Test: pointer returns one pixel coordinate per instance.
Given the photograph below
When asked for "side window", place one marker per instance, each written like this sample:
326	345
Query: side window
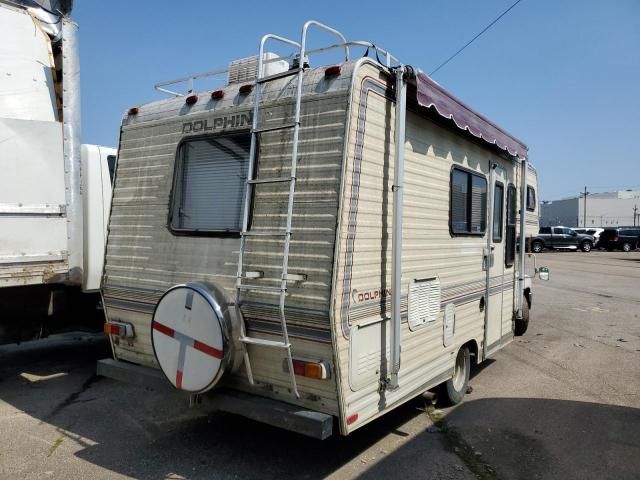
531	198
468	215
208	190
498	214
111	163
546	230
510	243
571	233
558	231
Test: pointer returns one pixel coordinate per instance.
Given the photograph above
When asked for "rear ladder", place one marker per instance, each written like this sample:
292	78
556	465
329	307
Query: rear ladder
261	80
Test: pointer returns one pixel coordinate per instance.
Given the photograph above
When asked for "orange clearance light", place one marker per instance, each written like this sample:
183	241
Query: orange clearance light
314	370
133	111
352	418
246	89
217	94
191	99
332	71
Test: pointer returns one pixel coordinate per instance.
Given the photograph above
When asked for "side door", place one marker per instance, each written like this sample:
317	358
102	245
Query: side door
571	237
558	238
496	265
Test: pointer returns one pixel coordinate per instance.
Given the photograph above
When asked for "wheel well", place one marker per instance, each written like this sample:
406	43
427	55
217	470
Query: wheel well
473	350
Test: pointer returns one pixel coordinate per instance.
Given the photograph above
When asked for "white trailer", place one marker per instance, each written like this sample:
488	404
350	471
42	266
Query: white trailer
54	193
313	246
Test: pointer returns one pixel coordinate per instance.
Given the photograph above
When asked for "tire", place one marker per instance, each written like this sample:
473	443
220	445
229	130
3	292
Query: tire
452	391
626	247
537	246
586	246
522	324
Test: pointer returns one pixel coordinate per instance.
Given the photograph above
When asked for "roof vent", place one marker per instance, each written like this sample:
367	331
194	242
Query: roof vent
244	69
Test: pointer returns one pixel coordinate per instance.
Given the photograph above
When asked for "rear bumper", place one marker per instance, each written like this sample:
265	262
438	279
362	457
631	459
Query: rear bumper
278	414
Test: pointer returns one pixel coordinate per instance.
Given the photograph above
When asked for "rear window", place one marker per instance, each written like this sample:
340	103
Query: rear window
545	230
610	232
209	184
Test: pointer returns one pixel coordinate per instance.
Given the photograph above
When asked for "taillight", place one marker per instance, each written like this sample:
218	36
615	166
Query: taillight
118	329
615	239
304	368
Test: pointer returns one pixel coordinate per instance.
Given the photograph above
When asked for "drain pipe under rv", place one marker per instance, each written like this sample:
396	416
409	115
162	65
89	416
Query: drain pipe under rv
524	163
401	73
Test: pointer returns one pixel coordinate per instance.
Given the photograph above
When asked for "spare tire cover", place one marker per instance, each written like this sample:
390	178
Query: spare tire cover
188	338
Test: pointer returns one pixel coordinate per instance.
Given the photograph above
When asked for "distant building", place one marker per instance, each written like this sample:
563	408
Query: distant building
608	209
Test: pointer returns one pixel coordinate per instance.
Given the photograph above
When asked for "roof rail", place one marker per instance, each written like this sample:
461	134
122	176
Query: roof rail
388	59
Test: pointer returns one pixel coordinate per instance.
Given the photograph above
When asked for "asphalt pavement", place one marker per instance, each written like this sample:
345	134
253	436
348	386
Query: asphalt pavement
561	402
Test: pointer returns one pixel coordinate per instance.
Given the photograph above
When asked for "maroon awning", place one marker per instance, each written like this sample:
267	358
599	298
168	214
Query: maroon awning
430	94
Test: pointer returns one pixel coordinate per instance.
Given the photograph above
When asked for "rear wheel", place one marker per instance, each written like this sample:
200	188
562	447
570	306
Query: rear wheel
626	247
522	324
586	246
452	391
537	246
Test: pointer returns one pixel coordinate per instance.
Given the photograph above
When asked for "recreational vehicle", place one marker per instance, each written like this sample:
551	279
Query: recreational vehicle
313	245
52	216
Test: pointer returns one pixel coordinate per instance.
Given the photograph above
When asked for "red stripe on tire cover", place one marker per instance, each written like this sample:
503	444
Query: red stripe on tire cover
204	348
168	331
178	379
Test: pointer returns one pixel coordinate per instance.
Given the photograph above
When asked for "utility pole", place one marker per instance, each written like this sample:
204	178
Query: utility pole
584	213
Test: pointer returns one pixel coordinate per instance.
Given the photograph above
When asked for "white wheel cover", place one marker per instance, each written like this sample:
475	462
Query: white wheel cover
187	339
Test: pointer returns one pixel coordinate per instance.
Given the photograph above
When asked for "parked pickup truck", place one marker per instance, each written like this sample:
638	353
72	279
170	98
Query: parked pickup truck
561	237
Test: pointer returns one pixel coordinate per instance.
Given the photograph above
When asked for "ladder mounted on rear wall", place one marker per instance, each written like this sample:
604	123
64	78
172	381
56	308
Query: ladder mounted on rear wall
250	184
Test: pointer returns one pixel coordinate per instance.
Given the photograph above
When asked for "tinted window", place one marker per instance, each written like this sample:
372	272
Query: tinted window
558	231
498	207
209	184
545	230
531	198
468	203
510	240
111	162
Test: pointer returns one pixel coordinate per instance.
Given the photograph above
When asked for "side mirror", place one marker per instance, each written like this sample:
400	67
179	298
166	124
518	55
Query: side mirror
543	273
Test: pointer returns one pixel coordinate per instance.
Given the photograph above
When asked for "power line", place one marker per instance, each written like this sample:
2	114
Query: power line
474	38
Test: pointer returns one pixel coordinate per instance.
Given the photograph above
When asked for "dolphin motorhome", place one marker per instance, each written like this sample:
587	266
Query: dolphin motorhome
312	246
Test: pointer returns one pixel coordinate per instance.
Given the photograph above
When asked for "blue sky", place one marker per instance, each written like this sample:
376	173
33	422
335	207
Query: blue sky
564	77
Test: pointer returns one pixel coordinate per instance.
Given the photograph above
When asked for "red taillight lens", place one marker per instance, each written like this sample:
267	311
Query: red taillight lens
217	95
133	111
298	367
246	89
332	71
191	99
615	239
352	418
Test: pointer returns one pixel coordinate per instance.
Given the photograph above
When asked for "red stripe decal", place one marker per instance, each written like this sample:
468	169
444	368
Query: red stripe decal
204	348
178	379
168	331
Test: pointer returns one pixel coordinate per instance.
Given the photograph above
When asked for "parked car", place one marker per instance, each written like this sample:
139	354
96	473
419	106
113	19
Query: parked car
594	232
620	238
561	237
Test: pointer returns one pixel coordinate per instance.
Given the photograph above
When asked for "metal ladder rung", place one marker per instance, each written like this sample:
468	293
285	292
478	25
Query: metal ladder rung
265	343
260	288
275	76
274	129
264	234
256	181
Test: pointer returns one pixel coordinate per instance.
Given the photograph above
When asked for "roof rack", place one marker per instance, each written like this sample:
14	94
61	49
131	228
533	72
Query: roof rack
388	60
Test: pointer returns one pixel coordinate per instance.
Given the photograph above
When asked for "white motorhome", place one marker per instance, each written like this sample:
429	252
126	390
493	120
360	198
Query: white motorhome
54	192
312	246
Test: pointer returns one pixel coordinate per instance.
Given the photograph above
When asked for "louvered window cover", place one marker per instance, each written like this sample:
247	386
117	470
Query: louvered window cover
210	183
424	302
